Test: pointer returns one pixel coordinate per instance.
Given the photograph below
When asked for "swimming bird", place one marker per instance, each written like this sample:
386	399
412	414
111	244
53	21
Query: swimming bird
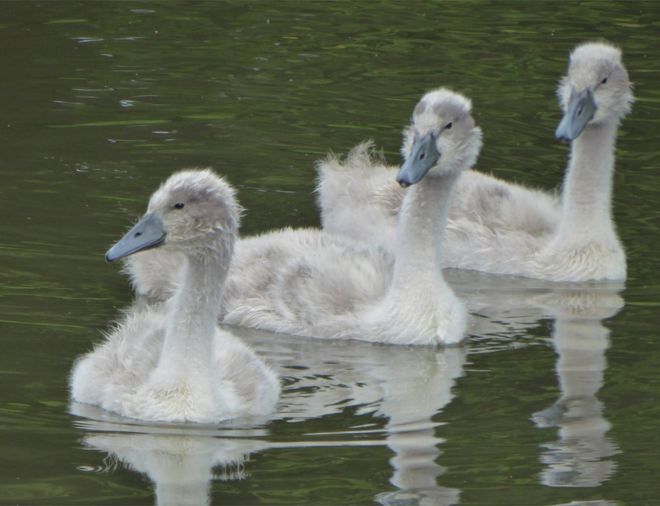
501	227
312	283
171	362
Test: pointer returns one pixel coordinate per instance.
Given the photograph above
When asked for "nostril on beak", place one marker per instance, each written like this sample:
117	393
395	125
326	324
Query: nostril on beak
138	234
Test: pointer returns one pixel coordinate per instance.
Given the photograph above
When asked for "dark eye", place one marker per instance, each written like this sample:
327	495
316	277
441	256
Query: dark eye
448	125
604	81
179	205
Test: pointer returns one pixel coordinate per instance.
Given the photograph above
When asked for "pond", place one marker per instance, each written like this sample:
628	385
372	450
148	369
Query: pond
554	398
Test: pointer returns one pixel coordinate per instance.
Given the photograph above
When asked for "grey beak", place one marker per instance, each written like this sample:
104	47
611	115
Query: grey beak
424	155
581	109
147	233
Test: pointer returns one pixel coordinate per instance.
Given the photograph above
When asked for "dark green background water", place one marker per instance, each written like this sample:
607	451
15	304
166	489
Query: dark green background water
556	396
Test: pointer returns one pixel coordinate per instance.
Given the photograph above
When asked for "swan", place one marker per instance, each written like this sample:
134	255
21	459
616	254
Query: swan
504	228
171	362
311	283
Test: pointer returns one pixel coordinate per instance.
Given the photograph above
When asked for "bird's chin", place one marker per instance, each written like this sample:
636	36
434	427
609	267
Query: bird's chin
445	170
601	118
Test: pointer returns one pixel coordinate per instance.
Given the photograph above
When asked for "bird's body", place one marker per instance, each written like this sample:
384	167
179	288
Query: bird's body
118	376
310	283
359	198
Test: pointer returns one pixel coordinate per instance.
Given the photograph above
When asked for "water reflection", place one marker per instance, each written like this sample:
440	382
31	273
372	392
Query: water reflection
405	387
181	467
506	309
581	455
414	397
181	460
596	502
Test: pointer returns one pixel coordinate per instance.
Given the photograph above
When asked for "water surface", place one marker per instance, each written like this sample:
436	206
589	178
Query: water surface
554	398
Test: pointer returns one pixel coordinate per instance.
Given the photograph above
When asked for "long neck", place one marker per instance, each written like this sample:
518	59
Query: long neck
192	317
587	194
420	232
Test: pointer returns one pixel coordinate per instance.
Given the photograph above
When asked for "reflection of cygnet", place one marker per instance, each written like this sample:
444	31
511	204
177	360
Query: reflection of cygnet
412	397
172	362
579	458
180	466
409	389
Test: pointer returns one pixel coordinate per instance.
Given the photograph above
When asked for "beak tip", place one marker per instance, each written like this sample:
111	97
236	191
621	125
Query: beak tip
562	133
564	136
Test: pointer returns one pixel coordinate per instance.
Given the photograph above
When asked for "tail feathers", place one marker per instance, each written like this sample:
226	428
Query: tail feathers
345	186
361	157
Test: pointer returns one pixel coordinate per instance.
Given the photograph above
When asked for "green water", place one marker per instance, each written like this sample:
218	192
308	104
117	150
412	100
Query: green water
554	399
